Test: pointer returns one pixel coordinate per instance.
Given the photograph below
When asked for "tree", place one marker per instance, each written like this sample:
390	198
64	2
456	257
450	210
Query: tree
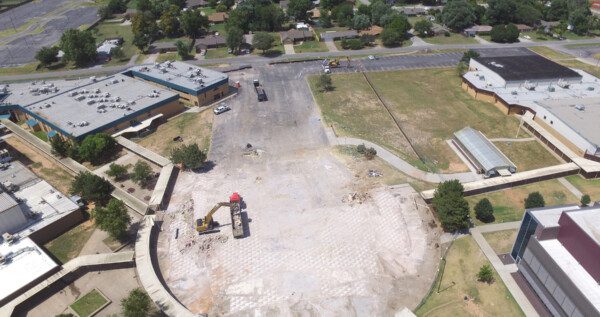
325	19
78	46
505	33
183	49
585	200
145	30
400	24
361	22
256	15
117	171
263	41
104	12
391	37
221	8
117	53
458	15
113	218
137	304
298	9
468	55
485	274
534	200
91	187
142	41
451	206
484	210
142	173
234	39
193	23
424	28
213	3
144	5
343	14
324	83
378	10
96	148
47	55
580	20
117	6
527	14
352	44
558	10
189	156
169	22
501	11
60	147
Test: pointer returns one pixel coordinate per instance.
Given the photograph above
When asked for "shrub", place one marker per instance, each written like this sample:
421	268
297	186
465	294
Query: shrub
534	200
585	200
142	173
361	149
451	206
117	171
370	153
485	274
137	304
484	210
113	219
352	44
189	156
60	147
324	83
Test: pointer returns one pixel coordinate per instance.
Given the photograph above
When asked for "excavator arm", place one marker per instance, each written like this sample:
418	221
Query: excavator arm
204	225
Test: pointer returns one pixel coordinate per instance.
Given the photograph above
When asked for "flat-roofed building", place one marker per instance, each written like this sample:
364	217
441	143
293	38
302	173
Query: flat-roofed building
482	153
12	217
195	85
85	107
557	250
564	101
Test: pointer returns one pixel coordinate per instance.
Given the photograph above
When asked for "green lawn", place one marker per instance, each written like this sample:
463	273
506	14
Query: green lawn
208	11
537	37
41	135
67	246
509	203
527	155
454	38
220	52
501	241
586	186
310	46
460	279
582	45
88	303
550	53
106	30
170	56
220	27
416	98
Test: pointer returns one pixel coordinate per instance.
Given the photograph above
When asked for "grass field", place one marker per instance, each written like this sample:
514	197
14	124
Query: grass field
192	127
88	303
310	46
68	245
586	186
417	98
501	241
527	155
454	38
106	30
509	203
460	279
550	53
536	37
220	52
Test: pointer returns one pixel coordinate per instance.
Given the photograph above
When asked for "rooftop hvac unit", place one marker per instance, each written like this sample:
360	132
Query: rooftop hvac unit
80	97
514	93
481	77
97	90
580	107
101	106
563	84
529	86
551	89
156	65
117	98
91	102
47	105
93	79
590	88
115	81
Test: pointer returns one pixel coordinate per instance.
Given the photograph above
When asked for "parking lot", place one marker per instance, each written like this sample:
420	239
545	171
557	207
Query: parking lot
39	23
311	246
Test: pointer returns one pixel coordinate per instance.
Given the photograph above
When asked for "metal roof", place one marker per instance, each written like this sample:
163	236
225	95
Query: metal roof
6	202
482	150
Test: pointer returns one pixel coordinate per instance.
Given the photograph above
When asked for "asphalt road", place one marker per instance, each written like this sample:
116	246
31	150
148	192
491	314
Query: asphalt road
255	60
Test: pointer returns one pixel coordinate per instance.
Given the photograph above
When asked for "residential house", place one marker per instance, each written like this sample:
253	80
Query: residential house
162	47
339	35
478	30
218	17
210	41
293	36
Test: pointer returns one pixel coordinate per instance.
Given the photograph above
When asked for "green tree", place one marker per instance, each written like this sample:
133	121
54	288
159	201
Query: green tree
113	218
234	39
485	274
451	206
343	14
378	10
484	210
325	19
424	28
558	10
580	20
142	41
585	200
189	156
193	23
137	304
142	173
391	37
361	22
104	13
183	49
145	30
97	148
256	15
117	171
91	187
468	55
117	6
60	147
221	8
144	5
501	11
78	46
47	55
117	53
263	41
458	15
505	33
534	200
169	21
528	14
400	24
298	9
324	83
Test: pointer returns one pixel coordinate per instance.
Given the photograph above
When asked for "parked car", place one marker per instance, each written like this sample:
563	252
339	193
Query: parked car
222	108
372	57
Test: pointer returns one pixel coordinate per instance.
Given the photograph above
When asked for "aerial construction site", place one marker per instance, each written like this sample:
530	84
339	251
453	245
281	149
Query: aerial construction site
314	238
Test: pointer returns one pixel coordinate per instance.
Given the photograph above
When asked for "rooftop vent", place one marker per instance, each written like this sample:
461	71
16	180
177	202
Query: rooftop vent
580	107
497	65
514	93
563	84
590	88
551	89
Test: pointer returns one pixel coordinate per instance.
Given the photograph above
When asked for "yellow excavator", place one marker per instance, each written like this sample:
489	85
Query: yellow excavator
207	224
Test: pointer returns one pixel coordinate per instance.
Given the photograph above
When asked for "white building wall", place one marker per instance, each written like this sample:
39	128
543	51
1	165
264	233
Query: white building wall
566	131
11	220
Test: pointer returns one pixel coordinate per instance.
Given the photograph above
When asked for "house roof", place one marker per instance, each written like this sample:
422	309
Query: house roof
218	17
339	34
522	27
479	28
295	34
163	45
195	3
210	40
373	30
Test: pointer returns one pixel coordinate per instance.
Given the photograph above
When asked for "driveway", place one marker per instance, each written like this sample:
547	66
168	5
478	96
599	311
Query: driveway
289	49
331	46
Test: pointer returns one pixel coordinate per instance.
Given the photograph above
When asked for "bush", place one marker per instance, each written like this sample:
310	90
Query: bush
585	200
117	171
183	49
137	304
142	173
324	83
468	55
370	153
91	187
113	219
97	148
362	149
47	55
484	210
534	200
451	206
505	33
60	147
485	274
189	156
352	44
